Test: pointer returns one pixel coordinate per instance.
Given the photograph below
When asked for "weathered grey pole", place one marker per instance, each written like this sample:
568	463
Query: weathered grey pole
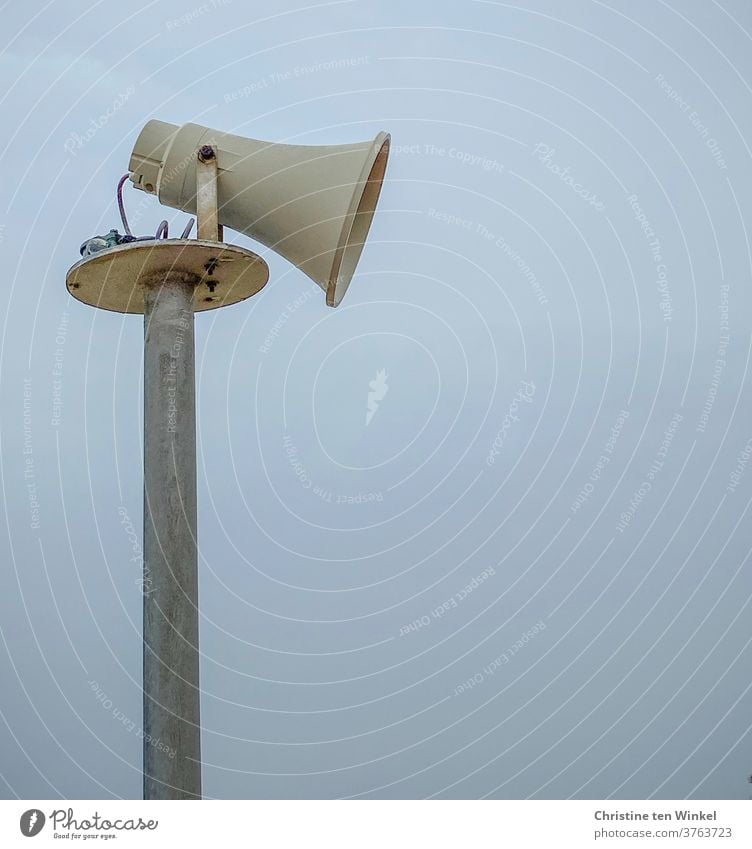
172	738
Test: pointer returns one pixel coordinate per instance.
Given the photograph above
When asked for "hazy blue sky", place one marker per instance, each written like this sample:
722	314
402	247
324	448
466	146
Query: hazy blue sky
557	288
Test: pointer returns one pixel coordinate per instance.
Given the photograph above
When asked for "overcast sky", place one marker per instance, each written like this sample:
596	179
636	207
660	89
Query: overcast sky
526	573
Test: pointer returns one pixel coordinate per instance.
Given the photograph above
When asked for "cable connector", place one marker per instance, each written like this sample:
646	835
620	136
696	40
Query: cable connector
102	243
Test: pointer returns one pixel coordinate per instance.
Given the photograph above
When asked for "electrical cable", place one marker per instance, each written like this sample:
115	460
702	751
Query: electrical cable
162	230
121	205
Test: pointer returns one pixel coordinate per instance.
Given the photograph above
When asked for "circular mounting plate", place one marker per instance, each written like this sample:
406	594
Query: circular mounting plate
114	279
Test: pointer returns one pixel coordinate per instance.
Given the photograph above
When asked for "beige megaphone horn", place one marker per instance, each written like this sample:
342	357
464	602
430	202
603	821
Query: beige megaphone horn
313	204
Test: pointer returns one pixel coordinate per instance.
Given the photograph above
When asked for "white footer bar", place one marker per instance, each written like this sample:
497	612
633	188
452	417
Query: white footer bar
377	824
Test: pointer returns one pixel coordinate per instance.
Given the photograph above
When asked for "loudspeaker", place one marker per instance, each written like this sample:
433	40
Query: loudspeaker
313	204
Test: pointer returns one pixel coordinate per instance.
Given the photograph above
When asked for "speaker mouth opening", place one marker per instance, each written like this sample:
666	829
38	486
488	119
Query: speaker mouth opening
358	222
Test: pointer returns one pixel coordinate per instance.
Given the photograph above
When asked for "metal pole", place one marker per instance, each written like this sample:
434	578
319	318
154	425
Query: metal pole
172	736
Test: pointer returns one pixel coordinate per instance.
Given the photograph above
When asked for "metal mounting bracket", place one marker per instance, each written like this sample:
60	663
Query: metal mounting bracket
207	216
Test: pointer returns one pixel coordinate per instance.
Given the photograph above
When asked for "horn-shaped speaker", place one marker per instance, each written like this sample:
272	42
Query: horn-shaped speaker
313	204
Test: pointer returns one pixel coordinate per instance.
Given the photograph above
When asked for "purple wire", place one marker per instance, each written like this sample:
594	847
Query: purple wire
121	206
162	230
